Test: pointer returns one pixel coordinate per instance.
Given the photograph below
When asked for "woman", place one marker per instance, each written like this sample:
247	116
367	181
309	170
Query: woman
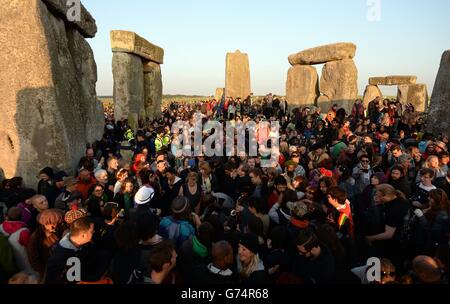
437	217
249	265
47	234
121	176
192	191
140	159
96	201
125	196
208	179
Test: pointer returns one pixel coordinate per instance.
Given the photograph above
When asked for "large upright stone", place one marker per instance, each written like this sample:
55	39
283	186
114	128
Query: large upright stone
416	94
323	54
339	82
128	74
47	88
392	80
237	76
130	42
302	86
371	92
61	8
153	89
219	93
439	114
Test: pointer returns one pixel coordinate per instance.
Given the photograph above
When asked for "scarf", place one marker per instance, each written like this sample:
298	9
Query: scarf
199	248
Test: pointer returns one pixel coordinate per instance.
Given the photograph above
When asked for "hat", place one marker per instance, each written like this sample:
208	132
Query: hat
70	181
74	214
325	172
441	145
144	195
250	241
179	204
59	176
47	171
299	209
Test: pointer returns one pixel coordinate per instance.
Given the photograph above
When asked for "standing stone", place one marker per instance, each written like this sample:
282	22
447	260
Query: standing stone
153	90
339	82
219	93
302	86
323	54
47	88
324	103
128	74
439	114
237	78
416	94
371	92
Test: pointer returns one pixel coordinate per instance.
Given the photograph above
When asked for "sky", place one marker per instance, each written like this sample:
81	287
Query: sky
393	37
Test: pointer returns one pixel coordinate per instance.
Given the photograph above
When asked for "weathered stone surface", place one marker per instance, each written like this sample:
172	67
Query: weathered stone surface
439	113
86	25
47	83
237	79
416	94
371	92
219	93
302	86
128	74
153	90
323	54
392	80
339	82
324	103
129	42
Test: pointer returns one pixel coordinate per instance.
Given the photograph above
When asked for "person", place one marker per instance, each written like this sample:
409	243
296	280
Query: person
436	218
426	270
249	265
31	208
125	195
399	181
121	177
46	185
42	240
7	263
387	243
85	182
421	190
178	226
362	173
18	237
196	250
71	245
70	185
342	217
147	232
207	178
443	183
162	260
314	262
256	177
219	270
101	176
192	191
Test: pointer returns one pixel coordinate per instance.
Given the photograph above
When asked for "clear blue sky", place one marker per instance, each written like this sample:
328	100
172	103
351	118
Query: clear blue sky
196	35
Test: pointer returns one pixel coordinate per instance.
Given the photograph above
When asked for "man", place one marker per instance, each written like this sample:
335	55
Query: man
261	190
163	258
73	245
70	186
399	181
112	165
85	182
314	263
362	173
219	271
341	218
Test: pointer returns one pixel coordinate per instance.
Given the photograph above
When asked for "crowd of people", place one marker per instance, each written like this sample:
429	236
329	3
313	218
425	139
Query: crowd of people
346	187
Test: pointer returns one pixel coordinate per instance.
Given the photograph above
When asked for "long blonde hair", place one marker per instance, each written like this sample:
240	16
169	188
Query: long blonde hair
247	270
